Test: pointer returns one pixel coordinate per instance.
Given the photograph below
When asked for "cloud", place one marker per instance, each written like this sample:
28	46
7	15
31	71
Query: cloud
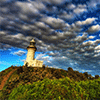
38	5
23	60
80	38
4	46
45	58
80	9
55	1
97	47
91	37
27	8
56	23
19	53
93	3
96	55
67	16
88	43
19	40
86	22
71	6
61	30
94	28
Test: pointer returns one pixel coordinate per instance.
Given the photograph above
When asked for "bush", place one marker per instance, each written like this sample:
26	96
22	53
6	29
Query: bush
19	70
96	76
12	66
86	74
70	69
43	66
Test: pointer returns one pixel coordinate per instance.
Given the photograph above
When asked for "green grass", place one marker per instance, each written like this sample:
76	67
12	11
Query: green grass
1	93
62	89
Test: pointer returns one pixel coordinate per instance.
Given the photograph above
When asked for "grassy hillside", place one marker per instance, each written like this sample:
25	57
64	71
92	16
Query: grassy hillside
49	83
5	72
62	89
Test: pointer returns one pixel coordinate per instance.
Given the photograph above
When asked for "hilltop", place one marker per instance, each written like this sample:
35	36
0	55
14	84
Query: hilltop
23	75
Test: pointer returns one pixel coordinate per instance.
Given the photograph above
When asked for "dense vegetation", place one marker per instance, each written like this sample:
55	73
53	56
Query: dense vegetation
62	89
22	83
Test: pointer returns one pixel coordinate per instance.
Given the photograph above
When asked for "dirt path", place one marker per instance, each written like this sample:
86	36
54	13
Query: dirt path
5	78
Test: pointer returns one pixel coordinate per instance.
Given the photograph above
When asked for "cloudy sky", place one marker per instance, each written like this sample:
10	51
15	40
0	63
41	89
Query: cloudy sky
66	33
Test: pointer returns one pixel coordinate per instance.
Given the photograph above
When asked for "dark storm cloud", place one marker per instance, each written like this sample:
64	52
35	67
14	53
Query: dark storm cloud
56	26
4	46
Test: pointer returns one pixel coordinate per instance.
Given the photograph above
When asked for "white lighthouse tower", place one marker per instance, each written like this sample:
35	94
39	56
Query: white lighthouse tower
30	60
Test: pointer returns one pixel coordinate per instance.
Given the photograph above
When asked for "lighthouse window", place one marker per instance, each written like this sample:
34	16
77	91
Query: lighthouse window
32	43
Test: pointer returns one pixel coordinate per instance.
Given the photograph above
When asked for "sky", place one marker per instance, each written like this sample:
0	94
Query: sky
67	33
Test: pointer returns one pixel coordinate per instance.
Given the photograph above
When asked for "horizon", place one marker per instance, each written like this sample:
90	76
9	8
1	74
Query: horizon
67	33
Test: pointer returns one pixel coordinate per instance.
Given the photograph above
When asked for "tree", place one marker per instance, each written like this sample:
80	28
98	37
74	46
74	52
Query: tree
96	76
43	66
70	69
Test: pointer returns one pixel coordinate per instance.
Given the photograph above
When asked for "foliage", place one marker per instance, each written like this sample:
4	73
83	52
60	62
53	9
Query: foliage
58	89
28	75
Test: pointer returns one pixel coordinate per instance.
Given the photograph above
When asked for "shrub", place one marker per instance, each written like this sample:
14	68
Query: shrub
70	69
43	66
19	70
86	74
96	76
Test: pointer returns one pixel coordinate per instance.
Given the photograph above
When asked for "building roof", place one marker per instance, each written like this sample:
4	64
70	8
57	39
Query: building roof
32	40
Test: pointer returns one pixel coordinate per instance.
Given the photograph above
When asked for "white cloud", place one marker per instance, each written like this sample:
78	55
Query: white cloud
97	47
80	38
88	43
39	56
96	55
2	33
38	5
23	60
94	28
54	22
45	58
97	51
19	53
86	22
27	8
97	41
71	6
80	9
91	37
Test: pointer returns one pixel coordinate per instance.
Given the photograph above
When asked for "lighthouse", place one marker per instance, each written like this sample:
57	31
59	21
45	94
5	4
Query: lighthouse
30	60
31	51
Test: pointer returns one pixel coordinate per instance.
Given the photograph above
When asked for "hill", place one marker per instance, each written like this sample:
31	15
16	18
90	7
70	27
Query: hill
26	78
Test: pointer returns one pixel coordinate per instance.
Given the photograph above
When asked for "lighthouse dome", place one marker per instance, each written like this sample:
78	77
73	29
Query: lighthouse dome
32	40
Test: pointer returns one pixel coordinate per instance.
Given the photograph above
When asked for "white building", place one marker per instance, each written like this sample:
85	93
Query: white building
30	60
